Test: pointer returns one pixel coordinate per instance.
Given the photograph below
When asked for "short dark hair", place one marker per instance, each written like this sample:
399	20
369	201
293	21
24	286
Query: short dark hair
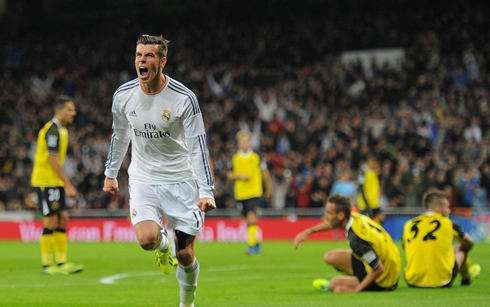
373	156
433	197
342	204
60	102
162	43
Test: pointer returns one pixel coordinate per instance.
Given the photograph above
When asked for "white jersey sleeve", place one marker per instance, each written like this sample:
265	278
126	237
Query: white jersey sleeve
119	141
195	135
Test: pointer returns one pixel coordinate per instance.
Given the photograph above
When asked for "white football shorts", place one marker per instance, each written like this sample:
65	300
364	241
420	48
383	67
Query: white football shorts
176	202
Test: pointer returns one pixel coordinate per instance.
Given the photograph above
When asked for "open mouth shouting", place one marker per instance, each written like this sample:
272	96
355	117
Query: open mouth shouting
143	72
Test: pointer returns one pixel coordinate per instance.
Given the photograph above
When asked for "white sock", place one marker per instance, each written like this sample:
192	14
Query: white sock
171	239
182	305
187	278
162	242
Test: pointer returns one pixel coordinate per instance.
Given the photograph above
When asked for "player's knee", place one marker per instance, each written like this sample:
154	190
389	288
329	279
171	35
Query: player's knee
330	258
148	242
185	257
251	218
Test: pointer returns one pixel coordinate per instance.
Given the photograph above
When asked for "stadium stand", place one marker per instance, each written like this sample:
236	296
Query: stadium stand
274	68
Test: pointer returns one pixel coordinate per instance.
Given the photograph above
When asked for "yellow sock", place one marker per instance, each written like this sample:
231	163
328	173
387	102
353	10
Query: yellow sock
47	248
465	268
61	245
252	230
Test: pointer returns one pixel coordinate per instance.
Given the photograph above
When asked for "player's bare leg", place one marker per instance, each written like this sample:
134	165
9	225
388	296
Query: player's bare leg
341	260
147	234
188	268
344	284
151	237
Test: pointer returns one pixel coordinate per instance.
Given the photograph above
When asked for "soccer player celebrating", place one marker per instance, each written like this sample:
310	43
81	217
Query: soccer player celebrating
374	262
432	261
169	172
249	172
52	185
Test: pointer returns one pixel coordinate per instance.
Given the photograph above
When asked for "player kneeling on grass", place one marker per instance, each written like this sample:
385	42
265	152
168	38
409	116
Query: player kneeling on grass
374	264
432	261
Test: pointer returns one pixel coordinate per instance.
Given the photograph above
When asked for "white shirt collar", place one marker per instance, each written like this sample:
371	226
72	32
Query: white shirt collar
57	122
245	153
349	223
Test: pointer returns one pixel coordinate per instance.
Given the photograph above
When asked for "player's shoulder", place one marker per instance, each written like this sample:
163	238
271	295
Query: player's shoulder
127	87
179	88
359	223
50	127
415	219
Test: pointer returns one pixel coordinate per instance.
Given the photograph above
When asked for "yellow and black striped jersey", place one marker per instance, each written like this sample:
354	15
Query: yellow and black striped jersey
371	244
368	189
52	139
428	243
248	163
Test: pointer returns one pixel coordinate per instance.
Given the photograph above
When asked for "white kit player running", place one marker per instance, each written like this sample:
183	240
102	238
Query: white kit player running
170	173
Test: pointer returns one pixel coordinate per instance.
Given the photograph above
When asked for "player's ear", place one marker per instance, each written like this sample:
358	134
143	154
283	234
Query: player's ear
163	62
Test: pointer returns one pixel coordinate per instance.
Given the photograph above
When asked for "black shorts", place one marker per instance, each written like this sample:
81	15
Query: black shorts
360	272
50	200
453	277
249	205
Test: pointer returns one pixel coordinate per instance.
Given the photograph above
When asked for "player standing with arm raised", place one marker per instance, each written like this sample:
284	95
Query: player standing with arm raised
52	185
169	172
432	260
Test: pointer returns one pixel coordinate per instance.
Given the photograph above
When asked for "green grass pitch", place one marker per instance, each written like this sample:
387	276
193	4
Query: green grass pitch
124	275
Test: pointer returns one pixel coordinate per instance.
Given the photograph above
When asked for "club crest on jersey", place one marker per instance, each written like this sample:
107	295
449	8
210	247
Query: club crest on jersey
166	115
55	205
134	213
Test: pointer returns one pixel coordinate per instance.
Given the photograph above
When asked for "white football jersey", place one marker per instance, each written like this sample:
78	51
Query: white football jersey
167	134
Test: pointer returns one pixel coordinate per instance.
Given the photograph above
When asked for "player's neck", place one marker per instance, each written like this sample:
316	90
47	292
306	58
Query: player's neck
154	86
61	122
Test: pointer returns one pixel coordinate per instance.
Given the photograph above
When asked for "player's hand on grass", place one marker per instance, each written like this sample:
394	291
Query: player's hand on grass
206	204
300	239
110	185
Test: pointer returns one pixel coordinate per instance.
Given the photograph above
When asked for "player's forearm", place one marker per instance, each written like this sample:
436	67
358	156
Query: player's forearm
266	177
54	160
323	226
202	167
117	151
370	277
467	242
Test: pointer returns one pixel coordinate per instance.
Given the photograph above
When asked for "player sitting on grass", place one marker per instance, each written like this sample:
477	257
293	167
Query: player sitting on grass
432	261
374	263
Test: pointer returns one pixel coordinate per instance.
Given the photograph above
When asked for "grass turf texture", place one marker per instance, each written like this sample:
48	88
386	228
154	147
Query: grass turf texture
280	276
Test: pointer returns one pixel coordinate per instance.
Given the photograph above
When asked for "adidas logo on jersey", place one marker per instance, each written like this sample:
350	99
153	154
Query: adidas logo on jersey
133	113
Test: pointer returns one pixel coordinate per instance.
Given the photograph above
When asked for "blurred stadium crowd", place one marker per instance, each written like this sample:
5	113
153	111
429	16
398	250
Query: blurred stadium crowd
276	72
